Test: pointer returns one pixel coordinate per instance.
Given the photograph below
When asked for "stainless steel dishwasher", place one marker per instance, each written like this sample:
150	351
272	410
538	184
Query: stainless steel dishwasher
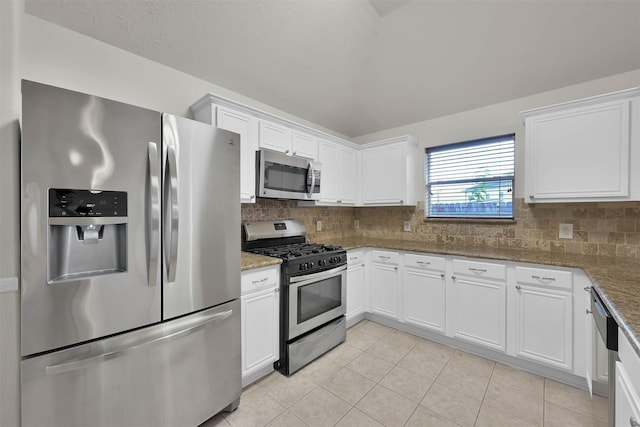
608	330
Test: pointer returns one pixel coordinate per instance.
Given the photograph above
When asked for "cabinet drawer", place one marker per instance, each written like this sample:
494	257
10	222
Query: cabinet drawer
258	279
480	270
543	276
424	262
355	257
385	257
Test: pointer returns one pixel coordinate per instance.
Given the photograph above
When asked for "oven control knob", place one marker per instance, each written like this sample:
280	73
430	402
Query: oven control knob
310	265
331	260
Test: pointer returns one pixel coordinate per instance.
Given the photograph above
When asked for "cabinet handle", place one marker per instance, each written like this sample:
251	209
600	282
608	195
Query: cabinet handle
587	289
384	258
339	201
253	196
277	289
286	151
260	281
395	268
518	287
531	196
401	201
633	422
477	270
442	275
423	262
453	277
294	153
588	311
551	279
363	265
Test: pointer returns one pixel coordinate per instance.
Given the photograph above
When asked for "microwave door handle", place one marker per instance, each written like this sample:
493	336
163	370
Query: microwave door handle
174	219
154	199
311	171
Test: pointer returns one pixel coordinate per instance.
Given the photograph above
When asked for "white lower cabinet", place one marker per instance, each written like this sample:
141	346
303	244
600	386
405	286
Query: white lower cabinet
385	281
627	406
480	303
543	316
544	326
260	305
424	292
356	276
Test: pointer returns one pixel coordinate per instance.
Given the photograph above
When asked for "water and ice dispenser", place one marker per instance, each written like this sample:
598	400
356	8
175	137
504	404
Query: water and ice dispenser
87	234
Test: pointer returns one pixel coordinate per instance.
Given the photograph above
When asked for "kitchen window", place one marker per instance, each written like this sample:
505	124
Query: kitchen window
471	179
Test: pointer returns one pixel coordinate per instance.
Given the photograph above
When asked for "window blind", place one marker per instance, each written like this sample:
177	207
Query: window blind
472	179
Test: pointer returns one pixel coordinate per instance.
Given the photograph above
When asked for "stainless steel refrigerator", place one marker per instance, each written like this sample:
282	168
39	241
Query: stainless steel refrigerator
130	264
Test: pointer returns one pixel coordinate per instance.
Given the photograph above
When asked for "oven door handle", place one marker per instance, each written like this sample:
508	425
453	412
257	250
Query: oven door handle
311	171
318	276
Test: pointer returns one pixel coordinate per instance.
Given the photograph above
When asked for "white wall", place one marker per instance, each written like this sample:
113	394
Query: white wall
60	57
497	119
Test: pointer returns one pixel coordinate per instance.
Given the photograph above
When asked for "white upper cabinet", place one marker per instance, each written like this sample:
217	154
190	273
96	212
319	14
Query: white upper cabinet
304	145
388	172
339	165
584	150
274	137
247	127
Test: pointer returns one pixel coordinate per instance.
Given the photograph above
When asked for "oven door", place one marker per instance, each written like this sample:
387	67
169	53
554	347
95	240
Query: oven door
286	177
315	299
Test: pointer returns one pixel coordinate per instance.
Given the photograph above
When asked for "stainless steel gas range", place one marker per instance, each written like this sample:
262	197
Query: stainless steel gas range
313	290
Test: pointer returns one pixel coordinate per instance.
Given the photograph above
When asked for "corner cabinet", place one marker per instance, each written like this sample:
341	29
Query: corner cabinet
388	172
627	377
584	150
260	326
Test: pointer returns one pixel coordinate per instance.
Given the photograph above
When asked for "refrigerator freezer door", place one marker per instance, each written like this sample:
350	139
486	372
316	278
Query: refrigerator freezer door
178	373
201	216
80	142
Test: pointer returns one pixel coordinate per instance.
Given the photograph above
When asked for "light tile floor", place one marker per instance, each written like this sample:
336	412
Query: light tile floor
384	377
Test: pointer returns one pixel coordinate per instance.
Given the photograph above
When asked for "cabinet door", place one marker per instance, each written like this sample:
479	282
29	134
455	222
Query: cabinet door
545	324
627	401
274	137
260	330
247	127
425	298
384	290
304	145
355	290
383	175
481	312
329	156
580	153
348	176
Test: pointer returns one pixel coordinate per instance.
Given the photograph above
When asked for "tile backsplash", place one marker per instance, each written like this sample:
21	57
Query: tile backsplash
598	228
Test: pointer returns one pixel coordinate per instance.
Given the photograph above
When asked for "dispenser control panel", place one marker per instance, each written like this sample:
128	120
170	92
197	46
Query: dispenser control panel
86	203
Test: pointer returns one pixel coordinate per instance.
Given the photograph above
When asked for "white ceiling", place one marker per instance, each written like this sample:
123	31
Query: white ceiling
358	69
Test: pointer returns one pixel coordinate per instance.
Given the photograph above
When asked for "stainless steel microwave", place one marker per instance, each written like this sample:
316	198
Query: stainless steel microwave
279	176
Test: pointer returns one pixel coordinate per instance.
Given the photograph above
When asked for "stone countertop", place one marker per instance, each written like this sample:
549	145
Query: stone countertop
617	280
249	261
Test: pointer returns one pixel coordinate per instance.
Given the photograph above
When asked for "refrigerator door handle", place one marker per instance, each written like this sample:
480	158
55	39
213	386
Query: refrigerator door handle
154	236
119	352
174	215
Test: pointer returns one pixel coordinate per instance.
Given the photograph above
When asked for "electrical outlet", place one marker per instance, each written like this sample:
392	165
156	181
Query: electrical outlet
407	226
356	224
565	231
319	226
